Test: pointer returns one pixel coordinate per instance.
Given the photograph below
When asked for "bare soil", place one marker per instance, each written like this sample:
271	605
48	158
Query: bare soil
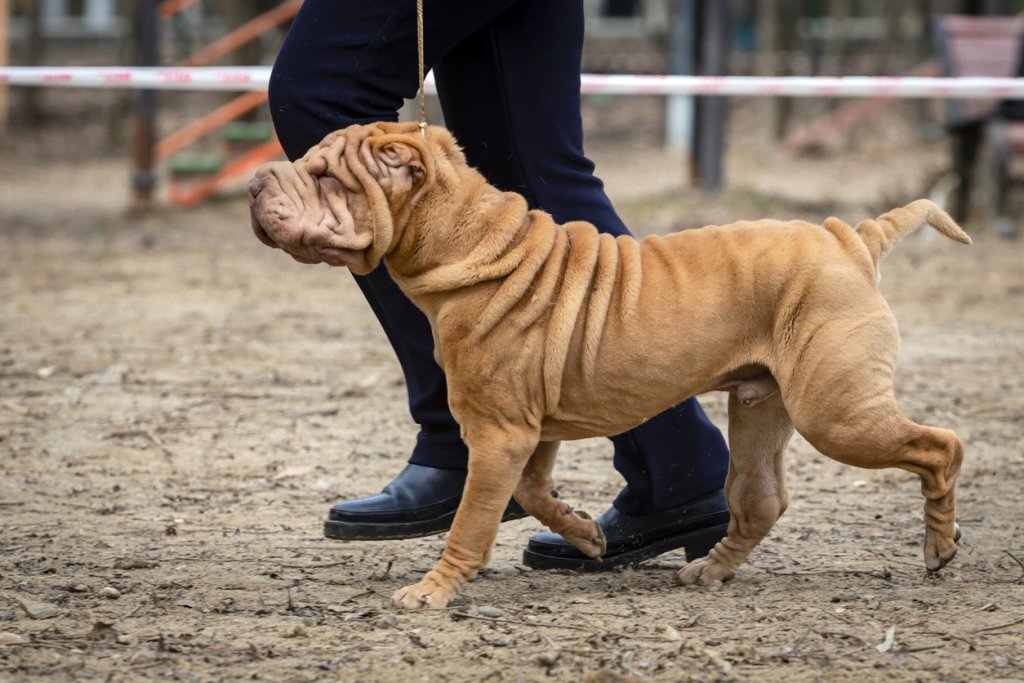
179	406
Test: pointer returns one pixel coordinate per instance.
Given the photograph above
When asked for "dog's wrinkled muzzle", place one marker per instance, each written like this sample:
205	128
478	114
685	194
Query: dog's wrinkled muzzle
255	187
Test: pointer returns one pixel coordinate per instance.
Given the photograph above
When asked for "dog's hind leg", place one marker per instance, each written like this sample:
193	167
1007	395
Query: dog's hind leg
535	492
845	406
887	438
755	487
936	456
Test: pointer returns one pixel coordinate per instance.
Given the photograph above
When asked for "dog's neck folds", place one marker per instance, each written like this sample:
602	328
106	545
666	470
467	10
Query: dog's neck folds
482	238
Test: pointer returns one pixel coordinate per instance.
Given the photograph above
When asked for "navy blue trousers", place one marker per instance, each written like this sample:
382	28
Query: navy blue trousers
508	78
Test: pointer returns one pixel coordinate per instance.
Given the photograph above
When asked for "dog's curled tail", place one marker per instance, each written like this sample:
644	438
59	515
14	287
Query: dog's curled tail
882	233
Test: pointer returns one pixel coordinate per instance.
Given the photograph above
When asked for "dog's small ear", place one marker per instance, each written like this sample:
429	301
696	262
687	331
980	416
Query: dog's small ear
402	155
399	163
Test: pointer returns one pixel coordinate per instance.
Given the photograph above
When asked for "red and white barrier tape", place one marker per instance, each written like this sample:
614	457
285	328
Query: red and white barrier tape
157	78
257	78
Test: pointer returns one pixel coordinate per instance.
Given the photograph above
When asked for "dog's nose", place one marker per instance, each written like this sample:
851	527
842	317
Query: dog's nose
255	185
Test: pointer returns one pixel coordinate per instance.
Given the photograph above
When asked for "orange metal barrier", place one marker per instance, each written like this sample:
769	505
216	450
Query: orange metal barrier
243	34
197	192
194	191
169	8
209	123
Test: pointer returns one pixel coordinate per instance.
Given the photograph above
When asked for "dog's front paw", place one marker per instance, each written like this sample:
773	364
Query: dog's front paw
427	594
705	572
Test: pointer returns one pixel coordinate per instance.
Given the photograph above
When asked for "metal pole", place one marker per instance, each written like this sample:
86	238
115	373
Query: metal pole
144	124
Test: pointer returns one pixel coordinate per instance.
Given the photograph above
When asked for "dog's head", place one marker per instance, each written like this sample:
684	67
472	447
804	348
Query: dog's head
349	199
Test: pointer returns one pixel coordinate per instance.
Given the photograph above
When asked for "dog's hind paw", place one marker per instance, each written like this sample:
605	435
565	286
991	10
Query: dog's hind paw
585	533
580	529
938	551
705	572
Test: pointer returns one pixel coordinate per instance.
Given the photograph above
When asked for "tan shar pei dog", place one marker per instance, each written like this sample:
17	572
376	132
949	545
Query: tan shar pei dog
549	332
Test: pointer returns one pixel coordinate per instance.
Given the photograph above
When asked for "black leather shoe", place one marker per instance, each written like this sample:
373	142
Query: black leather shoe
419	502
697	527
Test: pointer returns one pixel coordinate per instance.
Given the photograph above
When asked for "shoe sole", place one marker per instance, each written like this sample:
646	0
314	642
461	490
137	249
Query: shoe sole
393	531
697	544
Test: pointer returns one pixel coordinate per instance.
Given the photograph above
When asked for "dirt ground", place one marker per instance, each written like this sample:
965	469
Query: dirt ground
179	406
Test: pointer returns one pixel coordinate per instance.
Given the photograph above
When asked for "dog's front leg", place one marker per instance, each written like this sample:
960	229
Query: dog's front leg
496	460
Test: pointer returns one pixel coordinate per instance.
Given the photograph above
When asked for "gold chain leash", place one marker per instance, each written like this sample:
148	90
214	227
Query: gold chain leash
419	48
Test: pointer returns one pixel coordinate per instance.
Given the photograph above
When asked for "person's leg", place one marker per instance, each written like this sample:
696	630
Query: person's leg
966	143
354	62
514	106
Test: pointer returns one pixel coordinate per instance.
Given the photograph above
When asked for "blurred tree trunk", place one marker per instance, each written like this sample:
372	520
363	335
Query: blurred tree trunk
714	31
146	43
768	47
835	43
995	7
891	12
5	16
121	108
236	13
776	30
32	98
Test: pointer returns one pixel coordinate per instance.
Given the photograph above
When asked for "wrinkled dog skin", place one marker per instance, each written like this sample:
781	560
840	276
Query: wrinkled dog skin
582	334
